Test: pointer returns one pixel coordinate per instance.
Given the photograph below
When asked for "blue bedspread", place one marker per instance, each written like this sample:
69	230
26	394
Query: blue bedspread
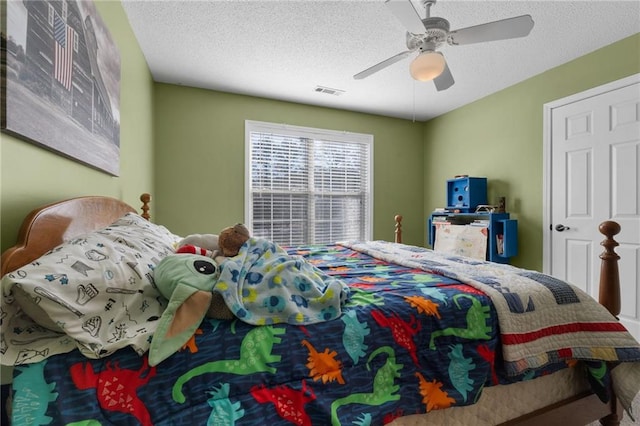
407	342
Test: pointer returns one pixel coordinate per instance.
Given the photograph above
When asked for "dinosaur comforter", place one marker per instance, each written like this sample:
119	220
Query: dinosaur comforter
408	341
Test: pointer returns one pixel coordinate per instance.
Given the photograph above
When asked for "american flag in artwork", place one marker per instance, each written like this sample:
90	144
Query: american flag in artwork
63	61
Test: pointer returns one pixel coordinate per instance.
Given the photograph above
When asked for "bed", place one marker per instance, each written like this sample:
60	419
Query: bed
419	338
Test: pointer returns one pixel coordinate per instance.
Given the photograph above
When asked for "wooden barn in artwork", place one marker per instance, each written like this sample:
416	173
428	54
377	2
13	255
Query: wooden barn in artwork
62	63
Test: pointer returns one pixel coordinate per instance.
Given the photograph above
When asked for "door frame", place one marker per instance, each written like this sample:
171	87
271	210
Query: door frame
547	233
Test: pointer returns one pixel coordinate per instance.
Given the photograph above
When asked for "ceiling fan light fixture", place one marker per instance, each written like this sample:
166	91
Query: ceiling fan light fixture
427	66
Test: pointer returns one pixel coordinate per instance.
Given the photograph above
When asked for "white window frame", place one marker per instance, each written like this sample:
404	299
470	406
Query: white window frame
309	133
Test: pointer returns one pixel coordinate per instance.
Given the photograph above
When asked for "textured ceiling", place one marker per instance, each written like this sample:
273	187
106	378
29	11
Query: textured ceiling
284	49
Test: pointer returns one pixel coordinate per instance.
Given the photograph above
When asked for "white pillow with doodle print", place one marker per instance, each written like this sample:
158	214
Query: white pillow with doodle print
97	289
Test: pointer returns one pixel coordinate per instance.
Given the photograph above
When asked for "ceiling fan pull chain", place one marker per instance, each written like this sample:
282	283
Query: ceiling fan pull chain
414	101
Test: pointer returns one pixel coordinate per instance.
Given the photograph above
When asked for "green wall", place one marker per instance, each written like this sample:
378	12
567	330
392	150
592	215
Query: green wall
32	176
200	158
501	137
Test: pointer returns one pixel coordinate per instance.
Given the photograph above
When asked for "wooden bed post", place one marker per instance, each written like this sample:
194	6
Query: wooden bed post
609	297
398	219
145	198
609	293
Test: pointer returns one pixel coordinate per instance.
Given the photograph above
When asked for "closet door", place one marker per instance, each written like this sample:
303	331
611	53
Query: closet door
595	158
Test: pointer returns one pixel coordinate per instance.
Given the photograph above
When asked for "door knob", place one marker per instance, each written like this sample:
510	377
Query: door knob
561	227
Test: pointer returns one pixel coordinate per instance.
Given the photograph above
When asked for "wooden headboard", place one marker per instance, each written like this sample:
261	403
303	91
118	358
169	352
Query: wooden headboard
49	226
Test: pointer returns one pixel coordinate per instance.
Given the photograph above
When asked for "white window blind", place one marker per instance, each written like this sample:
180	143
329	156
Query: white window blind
307	186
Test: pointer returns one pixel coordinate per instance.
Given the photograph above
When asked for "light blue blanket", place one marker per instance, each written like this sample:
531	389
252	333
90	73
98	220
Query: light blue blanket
265	285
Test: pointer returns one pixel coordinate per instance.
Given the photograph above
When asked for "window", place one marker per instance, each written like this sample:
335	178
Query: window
307	186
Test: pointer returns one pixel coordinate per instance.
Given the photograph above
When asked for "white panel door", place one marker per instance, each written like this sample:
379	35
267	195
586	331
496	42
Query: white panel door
595	163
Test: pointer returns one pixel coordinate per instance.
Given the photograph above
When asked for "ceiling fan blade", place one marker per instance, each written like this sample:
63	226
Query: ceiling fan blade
444	80
518	26
404	11
379	66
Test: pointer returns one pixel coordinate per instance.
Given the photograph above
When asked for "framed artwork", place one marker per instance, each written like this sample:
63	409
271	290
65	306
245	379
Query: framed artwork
61	80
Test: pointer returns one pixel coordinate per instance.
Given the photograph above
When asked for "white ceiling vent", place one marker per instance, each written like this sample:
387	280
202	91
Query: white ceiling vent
328	90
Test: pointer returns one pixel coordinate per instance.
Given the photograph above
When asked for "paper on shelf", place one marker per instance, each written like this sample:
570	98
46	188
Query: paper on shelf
462	240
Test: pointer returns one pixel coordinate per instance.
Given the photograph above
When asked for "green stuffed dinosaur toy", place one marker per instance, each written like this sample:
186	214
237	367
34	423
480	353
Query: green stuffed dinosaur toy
186	280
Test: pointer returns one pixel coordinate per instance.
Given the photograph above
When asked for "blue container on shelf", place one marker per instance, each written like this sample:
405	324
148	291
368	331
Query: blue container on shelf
464	194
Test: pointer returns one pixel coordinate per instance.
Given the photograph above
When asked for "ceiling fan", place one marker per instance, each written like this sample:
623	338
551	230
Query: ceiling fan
428	34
